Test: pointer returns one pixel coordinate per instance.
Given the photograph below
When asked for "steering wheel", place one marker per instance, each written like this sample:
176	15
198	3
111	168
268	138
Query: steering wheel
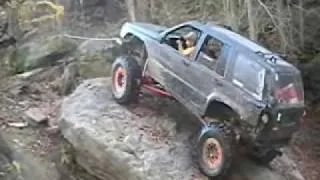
184	44
173	41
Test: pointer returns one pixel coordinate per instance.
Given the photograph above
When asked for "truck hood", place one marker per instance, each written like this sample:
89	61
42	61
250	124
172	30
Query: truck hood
149	29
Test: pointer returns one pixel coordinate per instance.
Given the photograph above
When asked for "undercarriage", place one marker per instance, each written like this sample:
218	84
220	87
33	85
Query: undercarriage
150	85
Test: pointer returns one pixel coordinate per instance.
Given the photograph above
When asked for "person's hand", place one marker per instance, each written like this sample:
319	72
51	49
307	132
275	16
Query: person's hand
180	44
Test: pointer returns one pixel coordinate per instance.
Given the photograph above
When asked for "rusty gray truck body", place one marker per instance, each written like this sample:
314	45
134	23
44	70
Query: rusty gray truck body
255	89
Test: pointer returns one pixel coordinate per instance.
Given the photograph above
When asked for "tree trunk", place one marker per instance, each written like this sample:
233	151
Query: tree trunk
13	22
153	8
226	11
203	9
233	15
131	5
301	34
291	27
252	30
279	16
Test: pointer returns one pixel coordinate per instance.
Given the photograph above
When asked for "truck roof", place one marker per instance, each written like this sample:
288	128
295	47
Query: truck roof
239	40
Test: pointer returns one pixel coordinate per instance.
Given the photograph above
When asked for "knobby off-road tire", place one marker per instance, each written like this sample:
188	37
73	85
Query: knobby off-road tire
134	47
126	76
216	165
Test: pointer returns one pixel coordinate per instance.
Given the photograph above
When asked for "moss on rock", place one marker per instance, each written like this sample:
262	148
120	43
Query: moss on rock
41	53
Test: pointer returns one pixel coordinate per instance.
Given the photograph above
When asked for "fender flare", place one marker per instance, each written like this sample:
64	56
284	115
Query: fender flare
204	130
224	100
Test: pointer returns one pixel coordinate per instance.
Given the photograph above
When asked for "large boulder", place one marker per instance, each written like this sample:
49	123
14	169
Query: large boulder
96	57
150	140
16	163
40	53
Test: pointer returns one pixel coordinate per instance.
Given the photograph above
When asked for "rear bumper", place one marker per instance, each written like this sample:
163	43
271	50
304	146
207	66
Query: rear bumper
278	135
282	126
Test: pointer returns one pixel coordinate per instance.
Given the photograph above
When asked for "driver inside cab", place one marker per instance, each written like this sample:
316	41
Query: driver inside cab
190	42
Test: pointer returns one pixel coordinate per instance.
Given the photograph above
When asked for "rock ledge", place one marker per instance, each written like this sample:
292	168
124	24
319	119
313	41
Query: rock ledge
137	142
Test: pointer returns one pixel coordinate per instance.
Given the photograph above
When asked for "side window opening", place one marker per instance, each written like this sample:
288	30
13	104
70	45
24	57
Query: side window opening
210	53
184	40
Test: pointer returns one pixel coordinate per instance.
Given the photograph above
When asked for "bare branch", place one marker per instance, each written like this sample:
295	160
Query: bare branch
282	35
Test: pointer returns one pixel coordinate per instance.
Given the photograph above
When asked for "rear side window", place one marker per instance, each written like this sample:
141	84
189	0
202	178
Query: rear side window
289	88
249	75
212	54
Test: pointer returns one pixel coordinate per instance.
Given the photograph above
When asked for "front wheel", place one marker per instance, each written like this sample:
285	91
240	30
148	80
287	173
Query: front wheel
215	150
126	75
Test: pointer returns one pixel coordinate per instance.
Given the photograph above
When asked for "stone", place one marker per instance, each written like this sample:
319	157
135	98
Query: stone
5	150
18	124
16	163
69	78
35	116
95	69
5	60
96	57
91	47
29	74
41	53
288	167
114	142
98	49
53	130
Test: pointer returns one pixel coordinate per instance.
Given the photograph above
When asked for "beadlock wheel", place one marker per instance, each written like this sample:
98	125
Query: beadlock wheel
119	82
126	75
212	153
215	150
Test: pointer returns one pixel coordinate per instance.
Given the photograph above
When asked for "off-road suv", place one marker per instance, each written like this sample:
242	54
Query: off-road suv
238	90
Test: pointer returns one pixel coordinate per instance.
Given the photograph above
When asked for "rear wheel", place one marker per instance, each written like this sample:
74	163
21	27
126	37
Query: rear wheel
215	150
126	75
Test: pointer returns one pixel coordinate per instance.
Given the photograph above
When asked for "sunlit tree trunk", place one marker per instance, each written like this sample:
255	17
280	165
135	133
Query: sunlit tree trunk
280	16
229	7
252	30
131	5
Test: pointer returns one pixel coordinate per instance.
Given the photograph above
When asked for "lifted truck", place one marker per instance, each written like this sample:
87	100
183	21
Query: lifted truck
237	89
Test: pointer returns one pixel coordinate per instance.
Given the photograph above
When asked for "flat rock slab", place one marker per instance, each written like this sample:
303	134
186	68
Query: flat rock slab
35	116
153	139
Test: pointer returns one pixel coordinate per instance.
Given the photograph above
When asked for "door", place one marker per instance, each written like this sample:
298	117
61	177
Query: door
207	73
170	67
247	76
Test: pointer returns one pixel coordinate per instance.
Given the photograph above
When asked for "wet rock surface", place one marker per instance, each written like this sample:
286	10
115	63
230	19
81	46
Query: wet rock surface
95	57
149	140
40	53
